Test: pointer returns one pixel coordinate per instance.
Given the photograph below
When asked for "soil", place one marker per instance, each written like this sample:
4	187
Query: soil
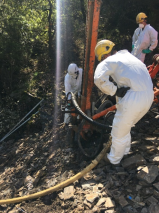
42	159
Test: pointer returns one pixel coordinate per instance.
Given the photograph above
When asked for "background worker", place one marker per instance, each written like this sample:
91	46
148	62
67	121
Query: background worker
134	91
72	82
144	39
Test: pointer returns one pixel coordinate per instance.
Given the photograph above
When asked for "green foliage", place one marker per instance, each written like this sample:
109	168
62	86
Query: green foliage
23	36
118	19
72	31
28	42
28	35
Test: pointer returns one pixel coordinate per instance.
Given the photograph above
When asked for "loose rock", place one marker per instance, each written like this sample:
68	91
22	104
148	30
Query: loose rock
148	174
133	161
122	201
109	203
92	197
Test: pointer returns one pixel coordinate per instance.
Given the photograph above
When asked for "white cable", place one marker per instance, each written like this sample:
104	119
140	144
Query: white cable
19	122
6	136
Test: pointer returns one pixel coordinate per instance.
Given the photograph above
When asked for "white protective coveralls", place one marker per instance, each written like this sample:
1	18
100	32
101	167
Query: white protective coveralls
146	38
72	84
127	71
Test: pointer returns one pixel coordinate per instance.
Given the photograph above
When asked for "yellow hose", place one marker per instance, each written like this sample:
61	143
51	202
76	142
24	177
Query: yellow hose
63	184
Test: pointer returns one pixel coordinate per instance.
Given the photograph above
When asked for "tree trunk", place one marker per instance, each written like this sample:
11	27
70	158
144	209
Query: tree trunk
50	29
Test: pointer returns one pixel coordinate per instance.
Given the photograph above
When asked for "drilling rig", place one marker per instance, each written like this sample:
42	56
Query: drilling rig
96	116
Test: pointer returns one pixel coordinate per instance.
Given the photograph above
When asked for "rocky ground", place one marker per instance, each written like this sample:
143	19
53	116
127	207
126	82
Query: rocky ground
39	161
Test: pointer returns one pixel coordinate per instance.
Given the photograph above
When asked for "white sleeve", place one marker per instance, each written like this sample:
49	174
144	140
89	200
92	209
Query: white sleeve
153	39
136	35
134	38
67	86
101	78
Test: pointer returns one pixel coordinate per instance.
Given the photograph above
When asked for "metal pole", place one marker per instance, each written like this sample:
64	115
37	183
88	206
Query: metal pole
90	80
90	9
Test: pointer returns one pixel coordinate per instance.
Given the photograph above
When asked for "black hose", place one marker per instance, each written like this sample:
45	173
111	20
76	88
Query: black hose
90	120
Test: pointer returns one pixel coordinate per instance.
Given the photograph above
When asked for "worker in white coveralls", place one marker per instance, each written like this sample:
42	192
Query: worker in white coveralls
134	93
72	82
145	38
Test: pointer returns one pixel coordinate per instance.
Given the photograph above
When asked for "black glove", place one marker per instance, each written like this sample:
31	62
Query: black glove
122	91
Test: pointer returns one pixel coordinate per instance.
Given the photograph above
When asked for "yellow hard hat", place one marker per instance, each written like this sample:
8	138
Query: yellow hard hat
103	47
140	17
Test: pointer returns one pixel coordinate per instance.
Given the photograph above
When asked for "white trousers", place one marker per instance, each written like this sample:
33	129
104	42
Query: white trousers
139	55
130	109
67	117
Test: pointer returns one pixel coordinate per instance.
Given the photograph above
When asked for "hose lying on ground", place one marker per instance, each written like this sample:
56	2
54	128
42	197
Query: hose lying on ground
63	184
90	120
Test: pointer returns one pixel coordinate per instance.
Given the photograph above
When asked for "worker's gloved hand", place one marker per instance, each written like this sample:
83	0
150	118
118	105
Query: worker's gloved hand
68	104
122	91
132	47
146	51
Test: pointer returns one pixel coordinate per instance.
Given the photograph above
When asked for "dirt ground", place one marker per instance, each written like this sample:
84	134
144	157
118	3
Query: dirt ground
41	160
